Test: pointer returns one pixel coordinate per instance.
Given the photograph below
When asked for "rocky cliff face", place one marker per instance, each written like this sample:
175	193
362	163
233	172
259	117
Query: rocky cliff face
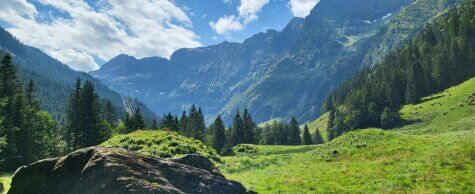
110	170
274	74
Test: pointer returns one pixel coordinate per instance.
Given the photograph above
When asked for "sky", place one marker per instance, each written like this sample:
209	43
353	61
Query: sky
84	34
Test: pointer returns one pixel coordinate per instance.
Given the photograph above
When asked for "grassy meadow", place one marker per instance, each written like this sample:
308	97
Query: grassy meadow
433	153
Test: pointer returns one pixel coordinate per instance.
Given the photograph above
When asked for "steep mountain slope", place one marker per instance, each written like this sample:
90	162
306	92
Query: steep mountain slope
54	80
274	74
435	154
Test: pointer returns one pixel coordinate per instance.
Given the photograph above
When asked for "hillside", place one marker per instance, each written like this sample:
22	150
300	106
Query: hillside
433	154
276	74
162	144
54	80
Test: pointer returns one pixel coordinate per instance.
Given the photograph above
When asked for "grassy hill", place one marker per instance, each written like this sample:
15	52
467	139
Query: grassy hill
435	152
163	144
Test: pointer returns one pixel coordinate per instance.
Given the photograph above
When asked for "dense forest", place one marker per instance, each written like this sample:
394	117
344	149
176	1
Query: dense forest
440	56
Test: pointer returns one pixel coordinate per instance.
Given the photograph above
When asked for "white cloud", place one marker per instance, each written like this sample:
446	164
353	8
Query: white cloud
226	24
302	8
247	10
140	28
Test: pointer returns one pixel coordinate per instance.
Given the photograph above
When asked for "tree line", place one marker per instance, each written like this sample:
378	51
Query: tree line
440	56
27	133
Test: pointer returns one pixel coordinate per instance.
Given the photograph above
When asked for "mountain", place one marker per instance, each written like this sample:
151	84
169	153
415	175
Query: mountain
55	80
274	74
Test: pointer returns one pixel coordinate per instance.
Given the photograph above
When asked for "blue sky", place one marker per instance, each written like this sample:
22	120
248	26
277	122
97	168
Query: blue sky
86	33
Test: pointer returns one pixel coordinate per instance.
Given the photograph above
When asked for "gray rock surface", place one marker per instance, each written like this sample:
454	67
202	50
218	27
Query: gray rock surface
112	170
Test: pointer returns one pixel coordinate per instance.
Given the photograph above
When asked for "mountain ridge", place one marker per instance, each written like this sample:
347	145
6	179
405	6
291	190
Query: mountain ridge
273	74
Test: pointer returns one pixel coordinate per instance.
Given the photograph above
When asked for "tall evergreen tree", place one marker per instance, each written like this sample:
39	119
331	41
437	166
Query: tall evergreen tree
137	120
294	132
218	139
154	124
74	116
306	138
248	127
89	115
183	123
237	133
317	137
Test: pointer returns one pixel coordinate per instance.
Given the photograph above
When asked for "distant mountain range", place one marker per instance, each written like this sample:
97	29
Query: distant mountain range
55	80
275	74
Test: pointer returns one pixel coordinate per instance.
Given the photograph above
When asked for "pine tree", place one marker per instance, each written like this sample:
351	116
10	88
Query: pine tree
196	125
218	139
110	113
317	137
306	138
137	120
10	87
248	127
89	115
74	116
330	132
183	123
294	132
236	134
154	124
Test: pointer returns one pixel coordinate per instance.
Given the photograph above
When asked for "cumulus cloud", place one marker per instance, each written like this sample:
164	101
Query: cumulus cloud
140	28
247	10
302	8
226	24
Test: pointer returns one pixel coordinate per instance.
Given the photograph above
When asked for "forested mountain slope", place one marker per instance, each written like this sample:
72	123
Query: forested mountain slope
54	80
275	74
440	56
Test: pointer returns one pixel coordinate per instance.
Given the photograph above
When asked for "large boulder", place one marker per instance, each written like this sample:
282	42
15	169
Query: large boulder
113	170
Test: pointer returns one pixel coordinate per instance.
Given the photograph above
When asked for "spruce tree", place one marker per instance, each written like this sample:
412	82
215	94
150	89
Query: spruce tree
154	124
306	138
248	127
73	116
89	115
294	132
137	120
183	123
317	137
237	133
218	139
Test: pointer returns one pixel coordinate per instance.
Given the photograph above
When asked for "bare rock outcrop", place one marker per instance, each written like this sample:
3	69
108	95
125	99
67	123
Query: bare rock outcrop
112	170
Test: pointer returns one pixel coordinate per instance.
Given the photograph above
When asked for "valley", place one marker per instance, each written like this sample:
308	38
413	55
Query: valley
368	96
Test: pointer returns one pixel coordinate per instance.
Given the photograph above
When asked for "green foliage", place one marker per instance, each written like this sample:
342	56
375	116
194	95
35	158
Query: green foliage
433	153
162	144
218	136
169	121
6	180
425	65
306	137
294	132
26	132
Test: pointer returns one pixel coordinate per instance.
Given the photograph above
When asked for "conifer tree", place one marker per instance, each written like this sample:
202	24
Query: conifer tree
218	139
72	135
294	132
137	120
154	124
248	127
317	137
306	138
237	133
183	123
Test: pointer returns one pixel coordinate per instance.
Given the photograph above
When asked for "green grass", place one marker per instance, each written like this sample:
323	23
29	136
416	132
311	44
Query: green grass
320	124
163	144
435	153
6	179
